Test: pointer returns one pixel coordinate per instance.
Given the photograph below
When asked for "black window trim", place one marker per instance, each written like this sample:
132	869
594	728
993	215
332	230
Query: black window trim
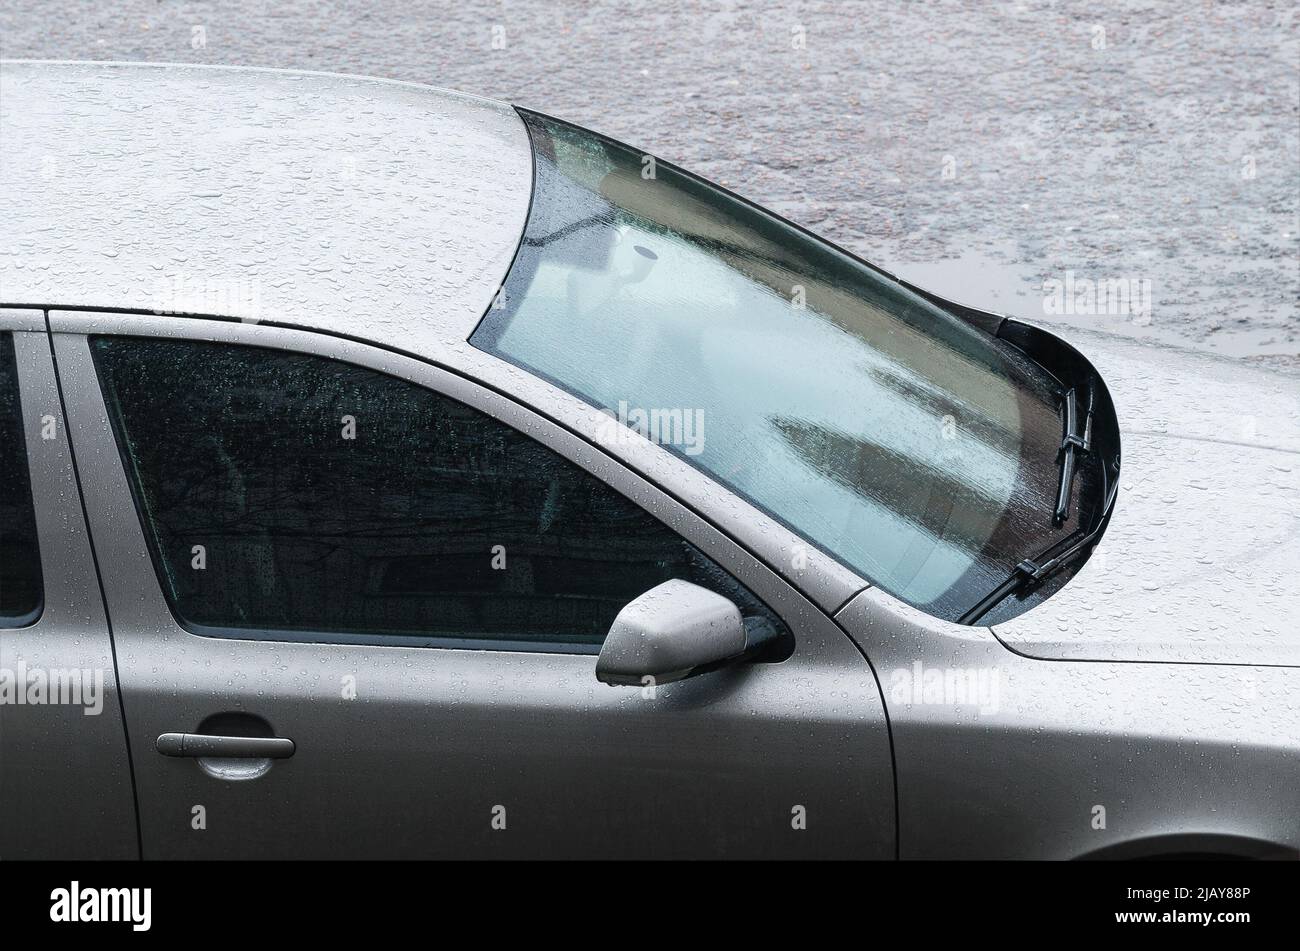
14	622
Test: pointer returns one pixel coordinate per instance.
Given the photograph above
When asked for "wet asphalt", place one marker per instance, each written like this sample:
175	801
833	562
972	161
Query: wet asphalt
993	152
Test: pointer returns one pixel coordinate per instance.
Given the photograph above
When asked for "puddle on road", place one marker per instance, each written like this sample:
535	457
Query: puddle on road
1005	281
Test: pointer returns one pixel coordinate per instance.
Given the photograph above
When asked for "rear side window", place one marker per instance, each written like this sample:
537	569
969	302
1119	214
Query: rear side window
20	557
294	497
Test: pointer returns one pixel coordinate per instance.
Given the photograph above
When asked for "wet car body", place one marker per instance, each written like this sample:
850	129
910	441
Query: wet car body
1141	701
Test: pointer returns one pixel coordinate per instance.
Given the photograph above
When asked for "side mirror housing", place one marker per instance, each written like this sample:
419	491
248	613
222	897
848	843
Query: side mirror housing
674	630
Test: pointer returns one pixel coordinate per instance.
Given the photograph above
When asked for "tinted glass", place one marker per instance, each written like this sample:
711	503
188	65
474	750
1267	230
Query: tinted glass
914	448
283	492
20	557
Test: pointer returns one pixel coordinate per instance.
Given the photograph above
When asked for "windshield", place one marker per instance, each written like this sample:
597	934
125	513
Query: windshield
917	450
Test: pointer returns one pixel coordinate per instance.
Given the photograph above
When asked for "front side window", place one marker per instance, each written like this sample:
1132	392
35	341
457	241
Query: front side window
290	496
20	558
913	448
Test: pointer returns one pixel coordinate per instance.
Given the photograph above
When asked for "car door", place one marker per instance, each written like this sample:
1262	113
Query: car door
393	582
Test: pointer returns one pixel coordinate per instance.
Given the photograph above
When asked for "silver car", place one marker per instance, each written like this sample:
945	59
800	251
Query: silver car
390	472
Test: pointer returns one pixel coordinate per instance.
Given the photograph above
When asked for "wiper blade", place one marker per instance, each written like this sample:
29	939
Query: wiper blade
1028	572
1033	570
1073	444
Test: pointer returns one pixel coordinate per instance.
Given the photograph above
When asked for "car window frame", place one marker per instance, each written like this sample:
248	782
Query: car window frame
72	331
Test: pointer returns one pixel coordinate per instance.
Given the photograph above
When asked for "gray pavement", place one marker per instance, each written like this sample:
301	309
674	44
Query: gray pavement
980	149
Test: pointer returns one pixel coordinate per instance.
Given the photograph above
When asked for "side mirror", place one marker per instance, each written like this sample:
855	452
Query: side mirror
673	631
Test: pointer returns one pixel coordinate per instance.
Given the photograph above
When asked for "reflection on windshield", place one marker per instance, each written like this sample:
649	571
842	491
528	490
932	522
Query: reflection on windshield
888	433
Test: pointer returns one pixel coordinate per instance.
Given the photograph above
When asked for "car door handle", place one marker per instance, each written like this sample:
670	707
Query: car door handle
233	747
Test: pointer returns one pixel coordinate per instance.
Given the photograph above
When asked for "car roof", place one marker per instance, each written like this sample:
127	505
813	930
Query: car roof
382	210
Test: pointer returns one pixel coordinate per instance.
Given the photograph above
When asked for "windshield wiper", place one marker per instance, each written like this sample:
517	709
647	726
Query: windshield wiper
1033	570
1073	444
